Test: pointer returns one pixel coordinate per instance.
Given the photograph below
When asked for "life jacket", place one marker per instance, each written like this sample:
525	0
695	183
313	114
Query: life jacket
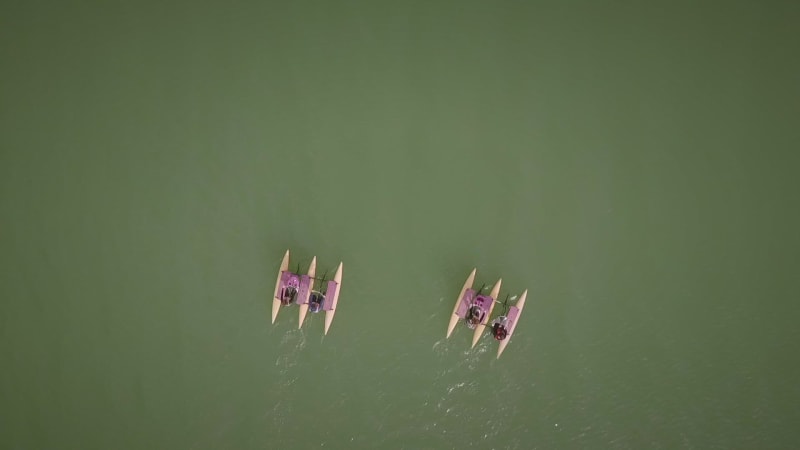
474	315
315	303
288	295
499	332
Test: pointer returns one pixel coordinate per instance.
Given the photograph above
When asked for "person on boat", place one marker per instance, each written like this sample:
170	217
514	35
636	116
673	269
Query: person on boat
315	302
289	294
474	315
499	330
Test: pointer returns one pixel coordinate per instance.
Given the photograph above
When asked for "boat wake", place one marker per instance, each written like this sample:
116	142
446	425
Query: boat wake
292	343
472	357
437	344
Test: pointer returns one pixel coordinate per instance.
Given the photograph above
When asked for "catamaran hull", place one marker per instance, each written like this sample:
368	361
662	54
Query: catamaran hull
312	272
276	302
329	314
482	326
454	317
520	304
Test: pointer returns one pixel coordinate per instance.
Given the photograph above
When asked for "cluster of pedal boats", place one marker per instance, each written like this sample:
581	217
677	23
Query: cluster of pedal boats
307	291
473	306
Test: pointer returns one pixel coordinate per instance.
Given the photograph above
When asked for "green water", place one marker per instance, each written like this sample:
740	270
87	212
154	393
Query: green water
633	167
